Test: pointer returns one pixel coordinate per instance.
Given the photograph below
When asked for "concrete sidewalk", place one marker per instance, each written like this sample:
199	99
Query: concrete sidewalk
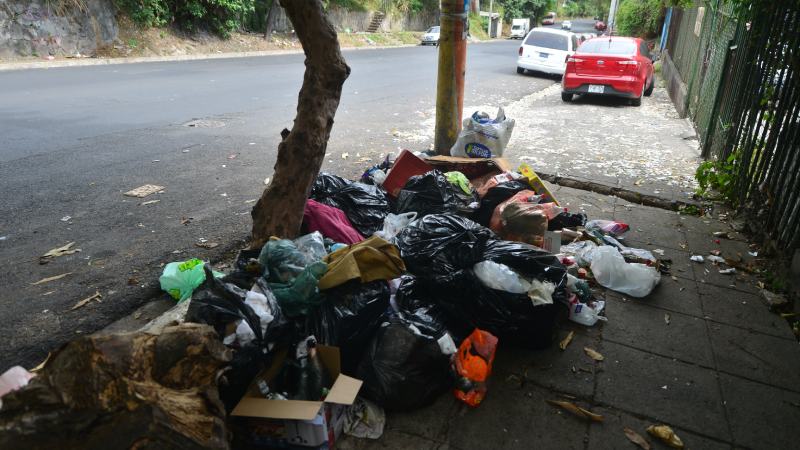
702	353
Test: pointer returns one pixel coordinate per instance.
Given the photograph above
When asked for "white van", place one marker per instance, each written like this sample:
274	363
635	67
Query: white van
546	50
519	28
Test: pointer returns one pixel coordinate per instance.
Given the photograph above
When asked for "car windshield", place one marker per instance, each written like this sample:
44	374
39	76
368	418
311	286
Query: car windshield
433	30
516	27
608	47
548	40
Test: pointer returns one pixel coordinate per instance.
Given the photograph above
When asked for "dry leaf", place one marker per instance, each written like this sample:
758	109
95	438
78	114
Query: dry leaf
86	301
593	354
563	344
144	191
150	202
666	319
186	220
49	279
636	438
41	365
666	434
577	410
60	251
206	244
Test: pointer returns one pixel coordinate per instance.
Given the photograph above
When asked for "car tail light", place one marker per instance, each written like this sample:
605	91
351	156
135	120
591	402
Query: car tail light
629	63
520	50
572	59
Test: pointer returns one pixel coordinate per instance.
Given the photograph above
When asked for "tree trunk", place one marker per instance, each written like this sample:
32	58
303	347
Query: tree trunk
279	211
269	24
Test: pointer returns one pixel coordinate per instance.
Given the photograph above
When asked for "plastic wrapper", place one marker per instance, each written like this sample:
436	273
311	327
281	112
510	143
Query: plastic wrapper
348	319
301	293
501	277
394	223
312	246
440	244
473	366
404	368
495	196
483	137
527	196
607	226
610	270
581	250
179	279
524	222
364	205
432	193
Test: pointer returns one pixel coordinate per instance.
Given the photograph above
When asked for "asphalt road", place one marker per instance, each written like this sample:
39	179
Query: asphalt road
73	140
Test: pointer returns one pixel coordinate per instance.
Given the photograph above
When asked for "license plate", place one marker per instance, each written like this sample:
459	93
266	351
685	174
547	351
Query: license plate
544	55
596	88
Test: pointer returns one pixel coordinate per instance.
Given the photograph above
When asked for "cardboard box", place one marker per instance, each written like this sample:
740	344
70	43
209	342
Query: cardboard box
285	423
470	167
405	166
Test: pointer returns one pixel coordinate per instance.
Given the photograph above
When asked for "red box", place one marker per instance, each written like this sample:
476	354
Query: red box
405	166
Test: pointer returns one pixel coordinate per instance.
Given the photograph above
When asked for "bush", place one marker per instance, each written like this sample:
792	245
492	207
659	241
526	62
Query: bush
639	18
219	16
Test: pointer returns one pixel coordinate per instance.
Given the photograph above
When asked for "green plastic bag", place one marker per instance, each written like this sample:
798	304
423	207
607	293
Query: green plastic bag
180	278
302	293
460	180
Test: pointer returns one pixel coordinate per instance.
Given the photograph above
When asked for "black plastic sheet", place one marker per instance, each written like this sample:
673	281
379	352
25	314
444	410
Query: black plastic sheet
566	220
364	205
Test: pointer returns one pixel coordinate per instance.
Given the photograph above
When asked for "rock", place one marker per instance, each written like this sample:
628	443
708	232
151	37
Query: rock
772	299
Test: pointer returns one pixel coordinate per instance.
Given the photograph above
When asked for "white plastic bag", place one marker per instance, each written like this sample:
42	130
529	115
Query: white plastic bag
501	277
394	223
482	137
611	270
312	246
581	251
586	314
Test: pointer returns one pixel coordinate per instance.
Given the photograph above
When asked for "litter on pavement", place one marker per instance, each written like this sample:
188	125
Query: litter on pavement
402	287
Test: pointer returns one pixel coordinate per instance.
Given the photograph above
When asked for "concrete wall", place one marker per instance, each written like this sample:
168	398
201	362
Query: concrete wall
357	21
31	27
675	85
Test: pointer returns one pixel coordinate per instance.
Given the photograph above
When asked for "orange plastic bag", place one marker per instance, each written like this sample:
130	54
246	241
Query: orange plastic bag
473	365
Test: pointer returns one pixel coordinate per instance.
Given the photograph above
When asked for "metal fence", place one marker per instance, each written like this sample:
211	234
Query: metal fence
740	82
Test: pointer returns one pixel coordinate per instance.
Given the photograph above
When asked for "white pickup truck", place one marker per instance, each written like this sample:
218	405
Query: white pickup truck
519	28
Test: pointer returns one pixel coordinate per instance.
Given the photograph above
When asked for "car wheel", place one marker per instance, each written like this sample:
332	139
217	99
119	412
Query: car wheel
565	97
650	89
520	70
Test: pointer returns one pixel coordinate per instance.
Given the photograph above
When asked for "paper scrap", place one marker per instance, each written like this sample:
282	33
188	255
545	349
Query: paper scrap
144	191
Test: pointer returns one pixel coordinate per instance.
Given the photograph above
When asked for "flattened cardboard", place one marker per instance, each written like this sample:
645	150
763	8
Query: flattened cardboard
276	409
470	167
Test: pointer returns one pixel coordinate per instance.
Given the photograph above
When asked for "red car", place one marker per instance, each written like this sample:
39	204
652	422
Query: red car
600	25
613	66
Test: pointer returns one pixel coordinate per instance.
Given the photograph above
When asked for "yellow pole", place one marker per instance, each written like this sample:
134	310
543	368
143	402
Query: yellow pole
450	81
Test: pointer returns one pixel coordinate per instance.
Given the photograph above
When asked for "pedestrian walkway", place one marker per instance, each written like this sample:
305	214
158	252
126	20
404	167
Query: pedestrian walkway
702	353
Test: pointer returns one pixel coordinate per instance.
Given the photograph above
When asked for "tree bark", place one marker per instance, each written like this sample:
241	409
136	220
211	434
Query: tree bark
270	19
279	211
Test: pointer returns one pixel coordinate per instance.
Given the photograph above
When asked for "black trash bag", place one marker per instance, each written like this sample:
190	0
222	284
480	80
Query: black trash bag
218	304
364	205
413	295
467	302
246	270
405	369
439	244
529	260
348	319
432	193
566	220
496	195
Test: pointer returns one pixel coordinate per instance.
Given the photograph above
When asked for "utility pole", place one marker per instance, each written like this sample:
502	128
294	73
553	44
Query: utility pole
450	81
612	15
489	30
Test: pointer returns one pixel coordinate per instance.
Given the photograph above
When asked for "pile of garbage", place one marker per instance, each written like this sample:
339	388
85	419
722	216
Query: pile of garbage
401	288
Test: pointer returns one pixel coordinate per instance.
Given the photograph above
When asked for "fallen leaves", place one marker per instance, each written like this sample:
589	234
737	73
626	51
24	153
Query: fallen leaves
86	301
666	435
49	279
144	191
577	410
208	245
565	342
60	251
594	354
636	438
150	202
41	365
666	318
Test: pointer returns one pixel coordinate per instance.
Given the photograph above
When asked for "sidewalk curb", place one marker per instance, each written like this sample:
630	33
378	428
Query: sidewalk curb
13	66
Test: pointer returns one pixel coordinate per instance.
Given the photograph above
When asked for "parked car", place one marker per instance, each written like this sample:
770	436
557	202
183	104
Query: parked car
613	66
431	37
600	25
546	50
519	28
566	25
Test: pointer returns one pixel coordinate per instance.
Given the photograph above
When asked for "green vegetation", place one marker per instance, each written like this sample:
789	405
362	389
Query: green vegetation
584	8
219	16
718	176
643	18
519	9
